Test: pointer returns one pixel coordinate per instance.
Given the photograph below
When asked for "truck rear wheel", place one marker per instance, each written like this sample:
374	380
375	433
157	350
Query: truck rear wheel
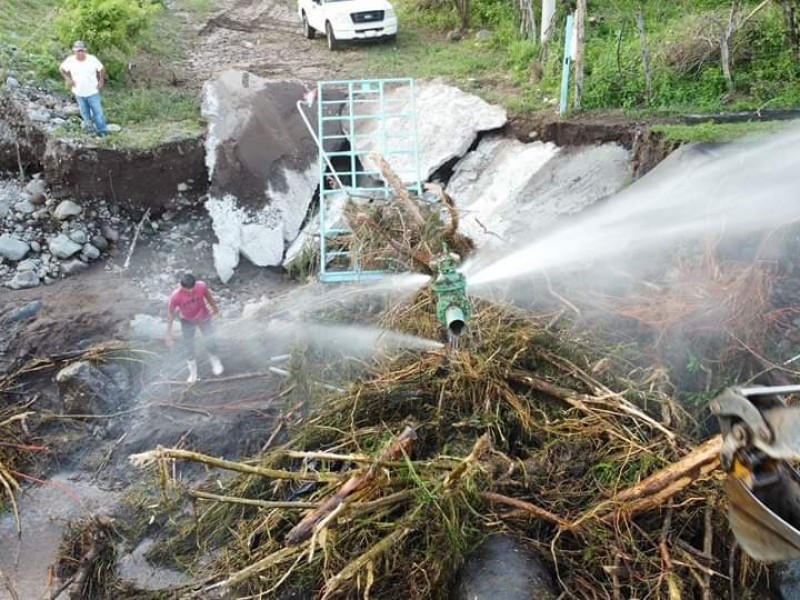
333	43
308	30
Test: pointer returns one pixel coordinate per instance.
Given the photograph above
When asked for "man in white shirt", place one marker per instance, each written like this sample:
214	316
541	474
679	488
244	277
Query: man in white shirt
86	76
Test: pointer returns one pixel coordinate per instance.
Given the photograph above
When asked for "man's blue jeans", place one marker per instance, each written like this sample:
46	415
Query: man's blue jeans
92	112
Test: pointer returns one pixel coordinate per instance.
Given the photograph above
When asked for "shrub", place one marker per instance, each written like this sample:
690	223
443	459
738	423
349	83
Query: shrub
111	28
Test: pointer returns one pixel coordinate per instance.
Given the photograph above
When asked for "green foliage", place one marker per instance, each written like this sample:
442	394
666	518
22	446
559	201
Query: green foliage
146	105
111	28
716	132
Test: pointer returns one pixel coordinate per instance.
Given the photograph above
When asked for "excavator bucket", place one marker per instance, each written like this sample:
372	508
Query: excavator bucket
759	435
765	518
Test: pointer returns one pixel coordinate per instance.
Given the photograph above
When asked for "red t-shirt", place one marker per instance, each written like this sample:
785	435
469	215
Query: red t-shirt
190	303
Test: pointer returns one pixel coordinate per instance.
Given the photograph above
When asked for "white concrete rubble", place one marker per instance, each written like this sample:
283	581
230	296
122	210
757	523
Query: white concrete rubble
506	189
448	121
262	165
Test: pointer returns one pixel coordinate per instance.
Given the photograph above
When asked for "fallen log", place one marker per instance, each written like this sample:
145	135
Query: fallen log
305	528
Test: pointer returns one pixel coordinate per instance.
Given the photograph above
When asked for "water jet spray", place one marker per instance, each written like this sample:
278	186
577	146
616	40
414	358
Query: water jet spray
453	308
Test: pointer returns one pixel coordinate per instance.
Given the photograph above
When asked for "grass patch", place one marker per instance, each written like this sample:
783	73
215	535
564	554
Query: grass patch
482	67
27	41
717	132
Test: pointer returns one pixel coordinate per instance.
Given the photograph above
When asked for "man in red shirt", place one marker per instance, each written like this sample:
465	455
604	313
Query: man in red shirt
191	302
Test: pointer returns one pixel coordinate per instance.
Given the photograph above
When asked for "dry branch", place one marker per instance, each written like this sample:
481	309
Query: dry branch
303	530
399	189
583	401
251	502
537	512
160	454
660	487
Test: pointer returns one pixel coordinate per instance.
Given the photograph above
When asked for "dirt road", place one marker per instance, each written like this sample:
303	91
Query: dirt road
262	37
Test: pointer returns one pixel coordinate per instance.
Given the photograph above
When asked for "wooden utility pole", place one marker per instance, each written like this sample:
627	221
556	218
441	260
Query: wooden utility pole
580	33
725	45
527	19
548	20
648	78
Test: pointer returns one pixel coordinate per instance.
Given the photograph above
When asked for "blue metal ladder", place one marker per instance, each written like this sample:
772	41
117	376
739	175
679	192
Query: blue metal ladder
384	111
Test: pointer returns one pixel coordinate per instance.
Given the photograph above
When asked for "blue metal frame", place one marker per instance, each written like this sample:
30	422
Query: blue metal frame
365	107
566	66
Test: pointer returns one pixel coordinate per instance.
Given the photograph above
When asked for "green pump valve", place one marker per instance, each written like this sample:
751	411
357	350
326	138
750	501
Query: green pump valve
453	308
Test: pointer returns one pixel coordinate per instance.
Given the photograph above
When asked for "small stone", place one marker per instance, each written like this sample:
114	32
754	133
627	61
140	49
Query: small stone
99	242
24	207
36	186
90	252
63	247
66	209
37	199
154	225
532	135
78	236
23	280
483	34
113	128
12	248
39	116
182	187
73	266
28	264
12	83
36	246
111	234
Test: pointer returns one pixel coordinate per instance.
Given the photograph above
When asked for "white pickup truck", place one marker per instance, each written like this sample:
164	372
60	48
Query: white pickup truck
348	20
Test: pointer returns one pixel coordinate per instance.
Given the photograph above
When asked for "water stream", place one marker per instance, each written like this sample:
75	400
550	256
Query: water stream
752	185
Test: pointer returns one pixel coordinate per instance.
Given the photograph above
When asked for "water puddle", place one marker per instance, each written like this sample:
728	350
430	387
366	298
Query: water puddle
45	510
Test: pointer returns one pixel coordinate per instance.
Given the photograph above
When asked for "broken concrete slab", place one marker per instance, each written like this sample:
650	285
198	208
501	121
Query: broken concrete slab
506	189
263	167
448	122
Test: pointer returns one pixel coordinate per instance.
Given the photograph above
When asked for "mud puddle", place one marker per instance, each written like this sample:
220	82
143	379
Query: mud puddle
28	559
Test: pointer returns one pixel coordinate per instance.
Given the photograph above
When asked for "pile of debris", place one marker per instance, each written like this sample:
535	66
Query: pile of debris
533	428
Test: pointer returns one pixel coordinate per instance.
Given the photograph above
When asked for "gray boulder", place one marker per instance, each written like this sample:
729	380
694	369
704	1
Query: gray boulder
109	233
63	247
66	209
23	280
13	248
99	242
91	252
84	389
25	207
440	108
78	236
24	313
36	186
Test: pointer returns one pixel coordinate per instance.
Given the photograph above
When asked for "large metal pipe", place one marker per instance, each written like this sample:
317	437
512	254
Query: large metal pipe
455	320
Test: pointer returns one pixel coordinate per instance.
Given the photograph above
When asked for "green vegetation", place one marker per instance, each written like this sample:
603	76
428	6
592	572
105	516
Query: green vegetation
113	29
683	45
140	42
717	132
137	49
